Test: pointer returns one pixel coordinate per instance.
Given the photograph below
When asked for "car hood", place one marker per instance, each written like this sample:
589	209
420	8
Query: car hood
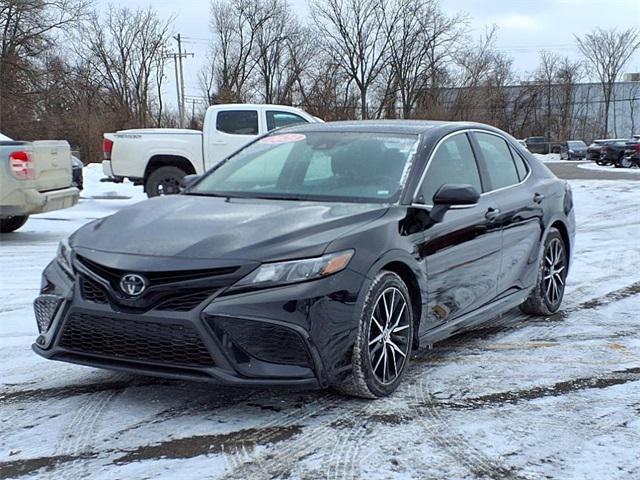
200	227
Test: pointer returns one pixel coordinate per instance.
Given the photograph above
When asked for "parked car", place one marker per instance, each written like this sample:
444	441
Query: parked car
612	153
594	151
318	255
76	172
573	150
35	177
159	158
631	156
537	145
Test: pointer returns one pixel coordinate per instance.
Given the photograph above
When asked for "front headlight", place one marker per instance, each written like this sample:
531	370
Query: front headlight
297	271
571	151
64	257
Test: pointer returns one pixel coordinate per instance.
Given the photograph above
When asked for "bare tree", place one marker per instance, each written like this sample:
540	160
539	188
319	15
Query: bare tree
125	49
235	25
352	33
28	32
608	51
420	37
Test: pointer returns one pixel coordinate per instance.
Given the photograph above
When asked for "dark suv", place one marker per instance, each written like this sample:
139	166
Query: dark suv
612	153
594	151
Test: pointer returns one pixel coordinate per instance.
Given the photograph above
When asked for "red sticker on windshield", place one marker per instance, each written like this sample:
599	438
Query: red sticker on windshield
284	138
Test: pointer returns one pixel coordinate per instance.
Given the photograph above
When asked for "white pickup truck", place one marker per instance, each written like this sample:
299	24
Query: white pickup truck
159	158
35	177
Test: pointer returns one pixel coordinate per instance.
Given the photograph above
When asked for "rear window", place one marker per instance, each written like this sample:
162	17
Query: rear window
277	119
499	162
238	122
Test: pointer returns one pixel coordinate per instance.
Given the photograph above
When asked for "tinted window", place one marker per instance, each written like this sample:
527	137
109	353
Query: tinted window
453	162
500	166
238	122
521	166
282	119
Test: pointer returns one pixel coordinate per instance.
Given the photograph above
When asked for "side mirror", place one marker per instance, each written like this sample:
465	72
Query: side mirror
189	180
452	196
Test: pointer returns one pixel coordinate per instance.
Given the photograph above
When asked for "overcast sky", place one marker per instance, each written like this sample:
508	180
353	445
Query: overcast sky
524	26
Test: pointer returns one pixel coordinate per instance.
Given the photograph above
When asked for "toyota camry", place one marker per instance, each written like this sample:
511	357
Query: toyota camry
320	255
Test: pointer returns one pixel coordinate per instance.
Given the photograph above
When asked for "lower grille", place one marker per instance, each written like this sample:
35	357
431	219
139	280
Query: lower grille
144	341
265	341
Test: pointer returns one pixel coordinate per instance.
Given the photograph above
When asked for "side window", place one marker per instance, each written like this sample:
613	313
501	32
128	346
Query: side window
282	119
521	166
453	162
500	165
238	122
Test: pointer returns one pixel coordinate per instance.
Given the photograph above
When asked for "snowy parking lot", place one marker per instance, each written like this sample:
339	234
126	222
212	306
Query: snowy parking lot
519	398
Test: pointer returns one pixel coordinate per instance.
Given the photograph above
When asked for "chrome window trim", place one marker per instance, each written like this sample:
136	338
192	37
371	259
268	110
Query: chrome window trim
460	132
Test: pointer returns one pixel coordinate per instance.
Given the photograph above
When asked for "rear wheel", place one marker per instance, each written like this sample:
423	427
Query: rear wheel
383	344
11	224
547	295
164	181
626	162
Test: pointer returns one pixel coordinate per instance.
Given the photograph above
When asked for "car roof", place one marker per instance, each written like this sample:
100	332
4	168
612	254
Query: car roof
415	127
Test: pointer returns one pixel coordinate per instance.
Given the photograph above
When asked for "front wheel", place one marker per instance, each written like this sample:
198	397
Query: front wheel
11	224
383	343
546	297
164	181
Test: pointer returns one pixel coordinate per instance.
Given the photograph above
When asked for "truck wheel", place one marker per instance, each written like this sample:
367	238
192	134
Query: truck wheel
11	224
164	181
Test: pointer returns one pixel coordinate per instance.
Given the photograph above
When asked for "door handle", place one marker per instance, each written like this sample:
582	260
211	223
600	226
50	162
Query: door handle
492	214
538	197
219	142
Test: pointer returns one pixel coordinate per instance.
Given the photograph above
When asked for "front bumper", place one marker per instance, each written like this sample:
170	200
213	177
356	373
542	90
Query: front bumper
298	335
30	201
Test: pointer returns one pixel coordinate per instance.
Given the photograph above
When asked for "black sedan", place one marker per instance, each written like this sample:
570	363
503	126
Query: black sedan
319	255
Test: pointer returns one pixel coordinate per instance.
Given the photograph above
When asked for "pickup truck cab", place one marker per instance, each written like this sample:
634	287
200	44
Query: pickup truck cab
159	158
35	177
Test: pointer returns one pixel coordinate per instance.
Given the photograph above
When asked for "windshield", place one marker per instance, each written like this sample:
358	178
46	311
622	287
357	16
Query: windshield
331	166
577	144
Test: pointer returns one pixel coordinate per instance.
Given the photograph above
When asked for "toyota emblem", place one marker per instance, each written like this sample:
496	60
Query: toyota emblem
133	284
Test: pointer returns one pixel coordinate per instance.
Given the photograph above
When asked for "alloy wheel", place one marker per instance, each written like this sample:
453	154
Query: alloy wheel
169	186
555	270
388	338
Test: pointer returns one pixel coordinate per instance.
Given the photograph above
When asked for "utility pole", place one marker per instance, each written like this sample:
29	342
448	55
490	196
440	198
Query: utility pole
177	61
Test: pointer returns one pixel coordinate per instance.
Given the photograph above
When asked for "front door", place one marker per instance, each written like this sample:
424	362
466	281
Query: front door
463	252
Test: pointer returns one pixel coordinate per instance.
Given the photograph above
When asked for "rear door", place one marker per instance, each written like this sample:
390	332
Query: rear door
233	130
463	251
280	118
520	204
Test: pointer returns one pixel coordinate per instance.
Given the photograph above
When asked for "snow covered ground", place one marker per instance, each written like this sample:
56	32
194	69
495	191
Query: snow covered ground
594	166
521	398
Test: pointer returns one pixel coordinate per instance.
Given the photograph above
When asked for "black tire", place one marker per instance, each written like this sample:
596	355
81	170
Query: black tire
544	299
164	181
11	224
364	380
